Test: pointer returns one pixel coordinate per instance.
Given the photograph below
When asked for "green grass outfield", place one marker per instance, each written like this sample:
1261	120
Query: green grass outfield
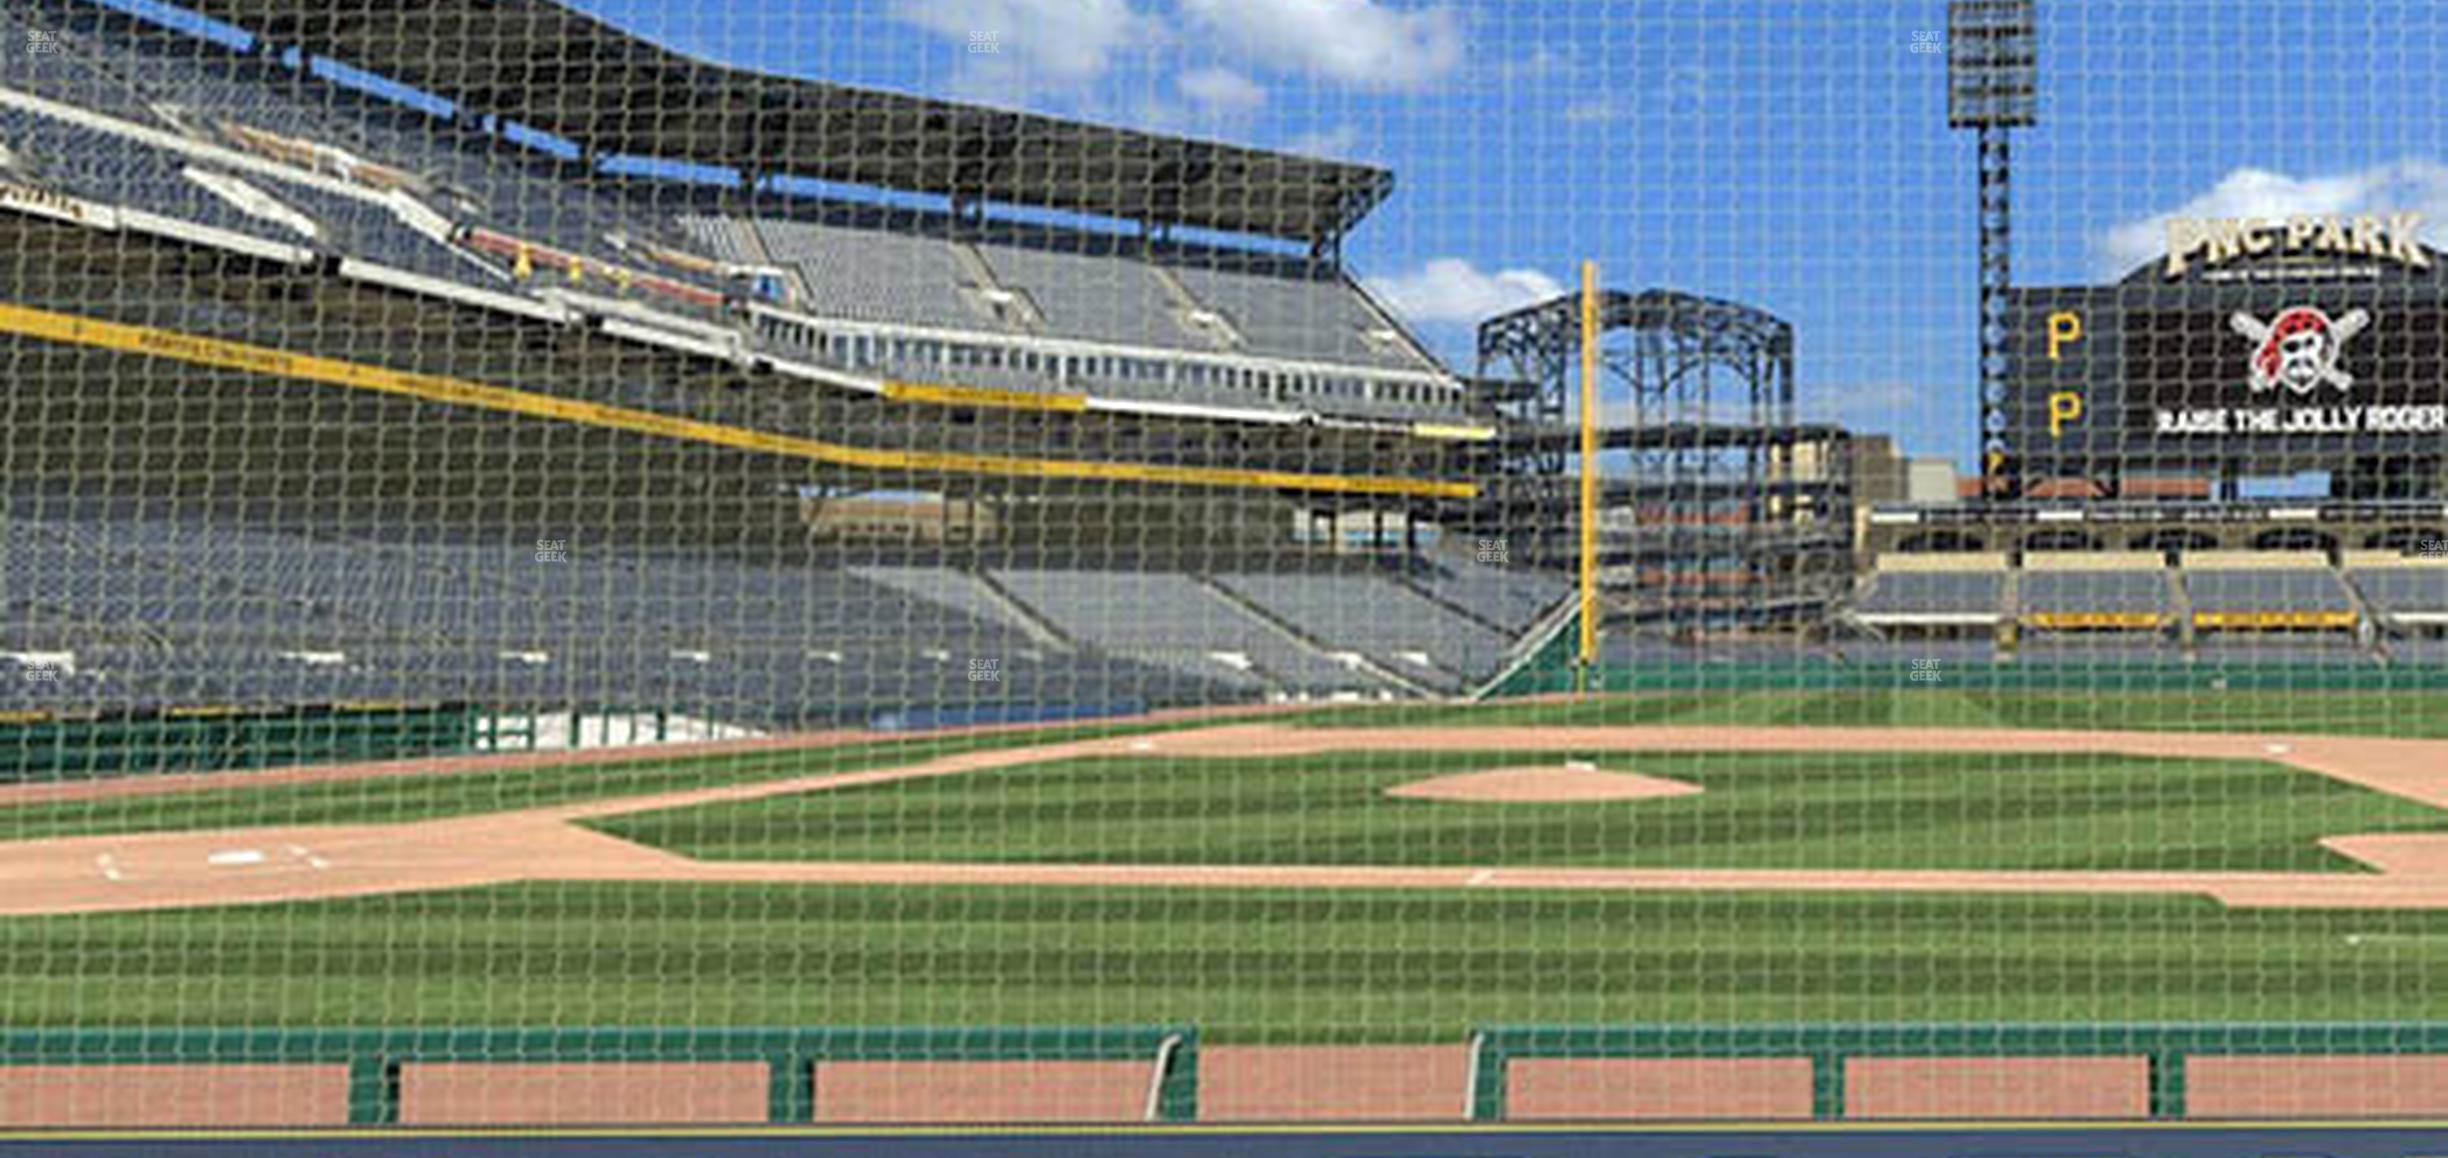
1789	810
1245	966
2107	705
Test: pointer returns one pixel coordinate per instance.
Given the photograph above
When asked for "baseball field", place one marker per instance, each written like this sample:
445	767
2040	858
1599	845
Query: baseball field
1381	874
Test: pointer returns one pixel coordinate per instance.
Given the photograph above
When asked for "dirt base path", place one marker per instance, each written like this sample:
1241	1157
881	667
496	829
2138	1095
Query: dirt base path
274	864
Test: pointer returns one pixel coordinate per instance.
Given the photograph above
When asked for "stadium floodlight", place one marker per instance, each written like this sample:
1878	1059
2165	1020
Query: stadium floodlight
1992	64
1993	86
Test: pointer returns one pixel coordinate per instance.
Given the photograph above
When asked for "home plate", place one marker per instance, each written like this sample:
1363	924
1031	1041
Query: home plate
235	857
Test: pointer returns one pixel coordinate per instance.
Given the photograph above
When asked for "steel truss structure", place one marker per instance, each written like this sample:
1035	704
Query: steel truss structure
1719	510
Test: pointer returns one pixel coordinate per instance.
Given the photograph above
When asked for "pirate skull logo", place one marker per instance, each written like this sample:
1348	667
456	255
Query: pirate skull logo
2299	348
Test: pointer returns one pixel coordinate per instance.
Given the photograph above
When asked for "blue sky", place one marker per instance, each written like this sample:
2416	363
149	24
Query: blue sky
1791	154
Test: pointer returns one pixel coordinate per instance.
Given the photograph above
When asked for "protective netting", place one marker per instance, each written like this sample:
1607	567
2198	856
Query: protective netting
918	560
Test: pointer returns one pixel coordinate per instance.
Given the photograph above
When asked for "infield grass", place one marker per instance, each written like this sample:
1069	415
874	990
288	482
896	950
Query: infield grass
1789	810
1244	966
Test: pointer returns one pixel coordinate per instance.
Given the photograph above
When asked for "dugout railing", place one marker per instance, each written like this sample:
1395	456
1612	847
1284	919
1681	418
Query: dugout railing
794	1057
2166	1047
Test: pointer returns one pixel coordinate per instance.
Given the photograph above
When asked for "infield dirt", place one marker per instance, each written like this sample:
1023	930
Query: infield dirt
277	864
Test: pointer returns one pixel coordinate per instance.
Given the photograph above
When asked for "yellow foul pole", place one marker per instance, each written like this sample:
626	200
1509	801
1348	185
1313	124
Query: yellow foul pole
1589	469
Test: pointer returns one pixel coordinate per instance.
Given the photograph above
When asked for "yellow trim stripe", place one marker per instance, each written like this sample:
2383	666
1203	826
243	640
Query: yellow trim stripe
2273	619
1455	433
203	711
91	332
945	395
2113	620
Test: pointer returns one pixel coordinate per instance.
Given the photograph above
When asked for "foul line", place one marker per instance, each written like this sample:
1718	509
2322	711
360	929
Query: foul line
71	329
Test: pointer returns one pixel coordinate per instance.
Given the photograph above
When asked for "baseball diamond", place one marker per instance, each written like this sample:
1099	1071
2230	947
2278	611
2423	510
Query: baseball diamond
650	571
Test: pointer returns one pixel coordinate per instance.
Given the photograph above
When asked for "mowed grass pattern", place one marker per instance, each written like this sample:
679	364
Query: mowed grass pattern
1244	966
2107	705
1791	810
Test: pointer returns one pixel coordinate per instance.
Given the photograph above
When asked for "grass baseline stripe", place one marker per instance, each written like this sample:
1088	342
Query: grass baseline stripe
95	333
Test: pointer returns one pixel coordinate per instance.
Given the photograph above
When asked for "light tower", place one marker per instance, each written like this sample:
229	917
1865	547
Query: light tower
1992	87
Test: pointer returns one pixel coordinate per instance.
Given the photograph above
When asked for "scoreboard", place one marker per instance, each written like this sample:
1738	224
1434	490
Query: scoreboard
2253	349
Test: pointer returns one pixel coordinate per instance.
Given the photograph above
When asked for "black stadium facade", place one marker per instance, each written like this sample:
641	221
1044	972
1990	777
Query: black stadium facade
2253	348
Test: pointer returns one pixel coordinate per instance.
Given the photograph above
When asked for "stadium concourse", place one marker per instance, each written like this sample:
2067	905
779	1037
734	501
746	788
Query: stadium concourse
707	458
492	567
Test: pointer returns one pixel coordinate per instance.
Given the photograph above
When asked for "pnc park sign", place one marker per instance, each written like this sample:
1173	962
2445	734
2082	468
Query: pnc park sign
2211	242
2261	343
2289	360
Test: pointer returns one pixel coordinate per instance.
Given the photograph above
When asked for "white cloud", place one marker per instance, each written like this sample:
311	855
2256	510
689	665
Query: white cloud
1017	47
1339	142
1222	92
2412	185
1452	291
1362	43
1543	64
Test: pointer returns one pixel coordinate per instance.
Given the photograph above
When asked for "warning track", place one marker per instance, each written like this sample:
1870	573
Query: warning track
274	864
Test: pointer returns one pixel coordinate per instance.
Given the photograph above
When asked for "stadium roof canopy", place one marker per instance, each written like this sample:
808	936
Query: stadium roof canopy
544	64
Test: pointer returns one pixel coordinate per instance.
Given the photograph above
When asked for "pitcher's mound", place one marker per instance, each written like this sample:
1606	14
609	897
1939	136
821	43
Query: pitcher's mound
1543	784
